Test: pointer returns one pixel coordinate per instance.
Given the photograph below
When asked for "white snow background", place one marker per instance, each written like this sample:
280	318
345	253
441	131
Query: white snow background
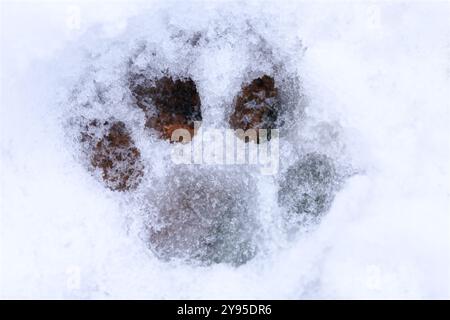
380	70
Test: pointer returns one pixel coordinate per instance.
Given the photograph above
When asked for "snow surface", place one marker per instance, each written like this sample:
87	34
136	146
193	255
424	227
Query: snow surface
375	81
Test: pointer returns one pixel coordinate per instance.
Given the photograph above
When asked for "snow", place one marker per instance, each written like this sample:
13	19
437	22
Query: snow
374	79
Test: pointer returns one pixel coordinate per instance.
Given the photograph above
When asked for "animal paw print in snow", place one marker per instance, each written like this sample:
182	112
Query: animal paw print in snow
204	214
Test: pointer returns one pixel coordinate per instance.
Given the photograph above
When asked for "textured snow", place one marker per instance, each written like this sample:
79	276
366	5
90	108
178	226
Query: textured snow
365	84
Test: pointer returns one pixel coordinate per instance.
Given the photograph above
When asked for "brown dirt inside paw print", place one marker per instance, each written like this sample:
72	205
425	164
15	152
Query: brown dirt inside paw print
256	106
169	105
114	153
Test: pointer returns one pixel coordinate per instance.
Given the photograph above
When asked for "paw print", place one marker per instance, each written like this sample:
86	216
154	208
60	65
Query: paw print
199	213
